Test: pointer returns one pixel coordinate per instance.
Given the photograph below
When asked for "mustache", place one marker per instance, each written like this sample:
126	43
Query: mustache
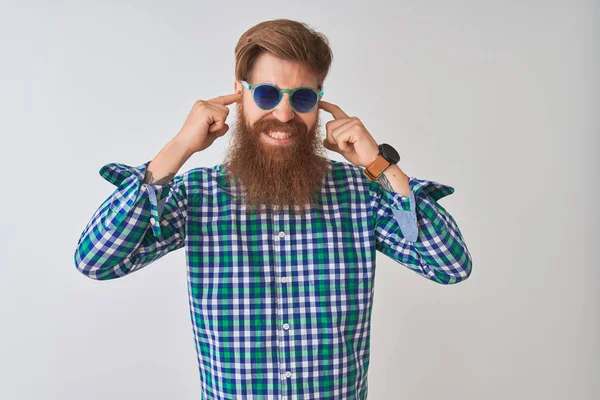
294	127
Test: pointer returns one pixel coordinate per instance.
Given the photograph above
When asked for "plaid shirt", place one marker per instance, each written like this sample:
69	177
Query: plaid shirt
280	303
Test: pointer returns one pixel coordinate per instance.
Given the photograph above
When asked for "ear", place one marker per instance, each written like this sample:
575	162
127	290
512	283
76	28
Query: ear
237	86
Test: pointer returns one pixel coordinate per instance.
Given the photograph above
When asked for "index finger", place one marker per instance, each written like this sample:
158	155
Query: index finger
226	99
332	109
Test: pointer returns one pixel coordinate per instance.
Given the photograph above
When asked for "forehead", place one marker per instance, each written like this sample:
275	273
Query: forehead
283	73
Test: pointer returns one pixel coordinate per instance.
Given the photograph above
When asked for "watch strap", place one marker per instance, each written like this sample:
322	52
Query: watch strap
376	168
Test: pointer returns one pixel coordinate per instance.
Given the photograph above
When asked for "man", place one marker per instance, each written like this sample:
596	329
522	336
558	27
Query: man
280	240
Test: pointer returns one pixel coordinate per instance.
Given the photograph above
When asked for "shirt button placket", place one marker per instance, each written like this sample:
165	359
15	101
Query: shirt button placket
281	290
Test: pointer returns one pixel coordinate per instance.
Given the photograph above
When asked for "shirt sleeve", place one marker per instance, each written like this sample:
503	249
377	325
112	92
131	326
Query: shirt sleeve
418	232
137	224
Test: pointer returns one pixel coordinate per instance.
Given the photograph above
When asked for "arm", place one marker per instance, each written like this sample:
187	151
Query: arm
139	222
416	231
166	164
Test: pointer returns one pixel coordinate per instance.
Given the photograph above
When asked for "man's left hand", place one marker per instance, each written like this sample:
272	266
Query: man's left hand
349	137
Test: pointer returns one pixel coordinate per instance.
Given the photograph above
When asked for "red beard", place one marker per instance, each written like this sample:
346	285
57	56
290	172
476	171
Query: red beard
277	175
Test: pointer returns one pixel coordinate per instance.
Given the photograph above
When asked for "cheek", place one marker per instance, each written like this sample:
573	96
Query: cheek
254	115
251	112
248	102
309	119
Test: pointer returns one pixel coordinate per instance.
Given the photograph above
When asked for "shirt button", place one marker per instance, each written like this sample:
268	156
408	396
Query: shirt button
281	234
284	279
152	221
288	374
286	326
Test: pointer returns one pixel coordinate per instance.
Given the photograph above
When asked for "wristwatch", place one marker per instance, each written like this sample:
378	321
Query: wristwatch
386	157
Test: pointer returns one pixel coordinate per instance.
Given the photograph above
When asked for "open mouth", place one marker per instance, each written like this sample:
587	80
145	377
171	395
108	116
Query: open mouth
278	137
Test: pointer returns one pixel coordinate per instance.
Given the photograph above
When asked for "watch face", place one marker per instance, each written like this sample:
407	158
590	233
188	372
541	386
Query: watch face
389	153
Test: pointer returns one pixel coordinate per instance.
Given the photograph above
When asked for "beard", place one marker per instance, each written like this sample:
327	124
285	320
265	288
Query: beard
276	176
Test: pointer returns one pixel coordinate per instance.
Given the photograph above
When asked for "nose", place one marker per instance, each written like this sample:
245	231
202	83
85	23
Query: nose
284	111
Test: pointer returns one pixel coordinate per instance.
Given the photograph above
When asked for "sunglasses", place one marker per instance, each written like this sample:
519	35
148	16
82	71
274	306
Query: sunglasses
266	96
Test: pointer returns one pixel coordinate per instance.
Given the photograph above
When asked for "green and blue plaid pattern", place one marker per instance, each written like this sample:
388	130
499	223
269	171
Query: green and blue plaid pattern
280	303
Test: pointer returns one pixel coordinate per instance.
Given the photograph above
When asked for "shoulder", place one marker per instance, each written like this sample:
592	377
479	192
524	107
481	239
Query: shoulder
203	180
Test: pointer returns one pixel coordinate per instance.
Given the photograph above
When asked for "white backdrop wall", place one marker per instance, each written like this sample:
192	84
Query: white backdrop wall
498	99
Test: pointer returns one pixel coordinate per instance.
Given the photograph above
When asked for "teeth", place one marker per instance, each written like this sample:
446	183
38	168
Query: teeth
279	135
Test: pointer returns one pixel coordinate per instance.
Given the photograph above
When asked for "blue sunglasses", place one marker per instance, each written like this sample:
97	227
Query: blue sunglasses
266	96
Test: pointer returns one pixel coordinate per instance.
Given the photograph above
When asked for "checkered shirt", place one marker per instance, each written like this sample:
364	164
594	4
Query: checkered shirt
280	304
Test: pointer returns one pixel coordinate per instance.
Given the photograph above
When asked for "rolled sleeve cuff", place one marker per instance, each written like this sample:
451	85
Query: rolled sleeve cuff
130	190
404	208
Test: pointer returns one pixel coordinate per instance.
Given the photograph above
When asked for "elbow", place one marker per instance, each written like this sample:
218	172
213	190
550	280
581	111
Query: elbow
93	269
455	273
96	274
93	272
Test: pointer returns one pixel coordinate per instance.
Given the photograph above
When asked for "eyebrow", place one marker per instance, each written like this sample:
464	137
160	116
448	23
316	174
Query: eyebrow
301	85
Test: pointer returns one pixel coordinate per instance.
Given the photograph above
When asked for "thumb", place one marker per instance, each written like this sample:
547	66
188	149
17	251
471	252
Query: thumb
328	145
222	131
217	126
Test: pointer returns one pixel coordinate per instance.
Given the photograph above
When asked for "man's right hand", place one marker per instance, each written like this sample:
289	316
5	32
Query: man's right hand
206	122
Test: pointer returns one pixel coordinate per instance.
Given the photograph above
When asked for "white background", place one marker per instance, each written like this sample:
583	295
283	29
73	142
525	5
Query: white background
498	99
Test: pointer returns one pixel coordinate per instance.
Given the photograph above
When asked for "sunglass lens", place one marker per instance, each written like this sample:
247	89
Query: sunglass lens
304	100
266	96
